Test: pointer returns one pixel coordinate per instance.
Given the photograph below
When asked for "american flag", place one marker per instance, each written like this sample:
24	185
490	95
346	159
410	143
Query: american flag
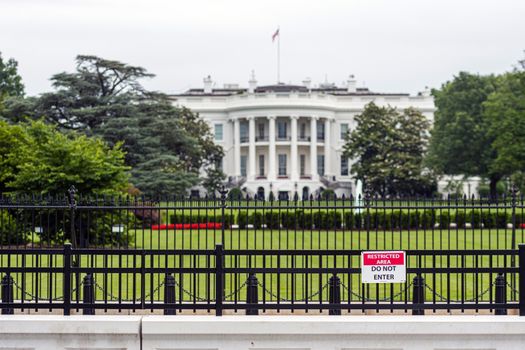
275	35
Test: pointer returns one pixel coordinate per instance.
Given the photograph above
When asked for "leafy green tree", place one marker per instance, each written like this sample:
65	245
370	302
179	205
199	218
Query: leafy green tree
389	147
11	86
504	113
10	80
42	160
461	143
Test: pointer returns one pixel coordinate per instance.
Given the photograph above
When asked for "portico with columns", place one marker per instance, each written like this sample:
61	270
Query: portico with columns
280	153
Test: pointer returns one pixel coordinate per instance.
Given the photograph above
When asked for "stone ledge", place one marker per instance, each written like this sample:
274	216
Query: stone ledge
342	325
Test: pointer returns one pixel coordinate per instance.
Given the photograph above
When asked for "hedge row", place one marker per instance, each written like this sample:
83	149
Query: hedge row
393	220
291	219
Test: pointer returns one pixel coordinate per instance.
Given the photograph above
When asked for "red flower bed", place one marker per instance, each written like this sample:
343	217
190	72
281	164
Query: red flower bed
209	225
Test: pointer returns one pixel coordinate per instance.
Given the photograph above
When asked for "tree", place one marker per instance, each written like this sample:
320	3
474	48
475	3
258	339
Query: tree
42	160
10	80
504	113
166	146
388	147
98	91
460	142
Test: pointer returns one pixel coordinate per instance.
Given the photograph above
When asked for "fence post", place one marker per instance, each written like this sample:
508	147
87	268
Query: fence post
169	294
252	296
89	294
335	294
418	294
501	295
219	275
223	192
7	294
513	190
522	278
72	208
67	279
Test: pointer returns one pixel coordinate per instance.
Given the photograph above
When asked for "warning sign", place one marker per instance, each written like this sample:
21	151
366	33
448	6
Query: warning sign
383	267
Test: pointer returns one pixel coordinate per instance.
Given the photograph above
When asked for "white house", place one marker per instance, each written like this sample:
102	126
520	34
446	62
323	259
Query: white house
288	138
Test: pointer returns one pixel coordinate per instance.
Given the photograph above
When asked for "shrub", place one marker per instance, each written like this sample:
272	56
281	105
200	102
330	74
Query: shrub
235	194
474	217
333	220
200	218
444	219
350	220
292	219
494	220
10	232
427	219
271	219
459	218
328	194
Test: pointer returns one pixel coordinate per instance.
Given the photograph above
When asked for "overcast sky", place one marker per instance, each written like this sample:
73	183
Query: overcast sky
390	46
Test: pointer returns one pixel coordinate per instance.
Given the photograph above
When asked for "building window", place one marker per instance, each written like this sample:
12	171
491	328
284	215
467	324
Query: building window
344	131
218	132
283	195
320	165
261	131
302	164
344	166
302	131
281	130
243	165
282	164
261	165
320	131
218	164
244	132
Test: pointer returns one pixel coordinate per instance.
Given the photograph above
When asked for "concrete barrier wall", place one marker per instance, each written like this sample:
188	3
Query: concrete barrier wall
21	332
262	332
332	332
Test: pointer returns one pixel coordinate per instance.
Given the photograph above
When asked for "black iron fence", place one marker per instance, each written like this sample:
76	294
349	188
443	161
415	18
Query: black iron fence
243	254
327	222
255	281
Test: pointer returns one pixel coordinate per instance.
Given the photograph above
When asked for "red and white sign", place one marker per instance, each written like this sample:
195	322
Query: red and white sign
383	267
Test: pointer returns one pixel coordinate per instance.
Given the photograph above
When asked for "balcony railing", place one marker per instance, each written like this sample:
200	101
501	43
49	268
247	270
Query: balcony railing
244	139
261	138
303	138
283	138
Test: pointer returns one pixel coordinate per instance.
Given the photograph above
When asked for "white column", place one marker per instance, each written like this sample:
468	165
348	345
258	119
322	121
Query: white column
251	149
313	147
271	149
236	147
327	140
293	151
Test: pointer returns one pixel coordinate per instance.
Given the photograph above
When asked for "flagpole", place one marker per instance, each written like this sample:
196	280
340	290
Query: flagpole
278	55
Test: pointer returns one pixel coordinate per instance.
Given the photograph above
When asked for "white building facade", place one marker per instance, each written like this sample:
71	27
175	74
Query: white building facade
288	139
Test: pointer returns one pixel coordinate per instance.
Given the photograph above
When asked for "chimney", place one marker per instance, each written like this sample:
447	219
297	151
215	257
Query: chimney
207	85
426	92
351	84
307	83
252	83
